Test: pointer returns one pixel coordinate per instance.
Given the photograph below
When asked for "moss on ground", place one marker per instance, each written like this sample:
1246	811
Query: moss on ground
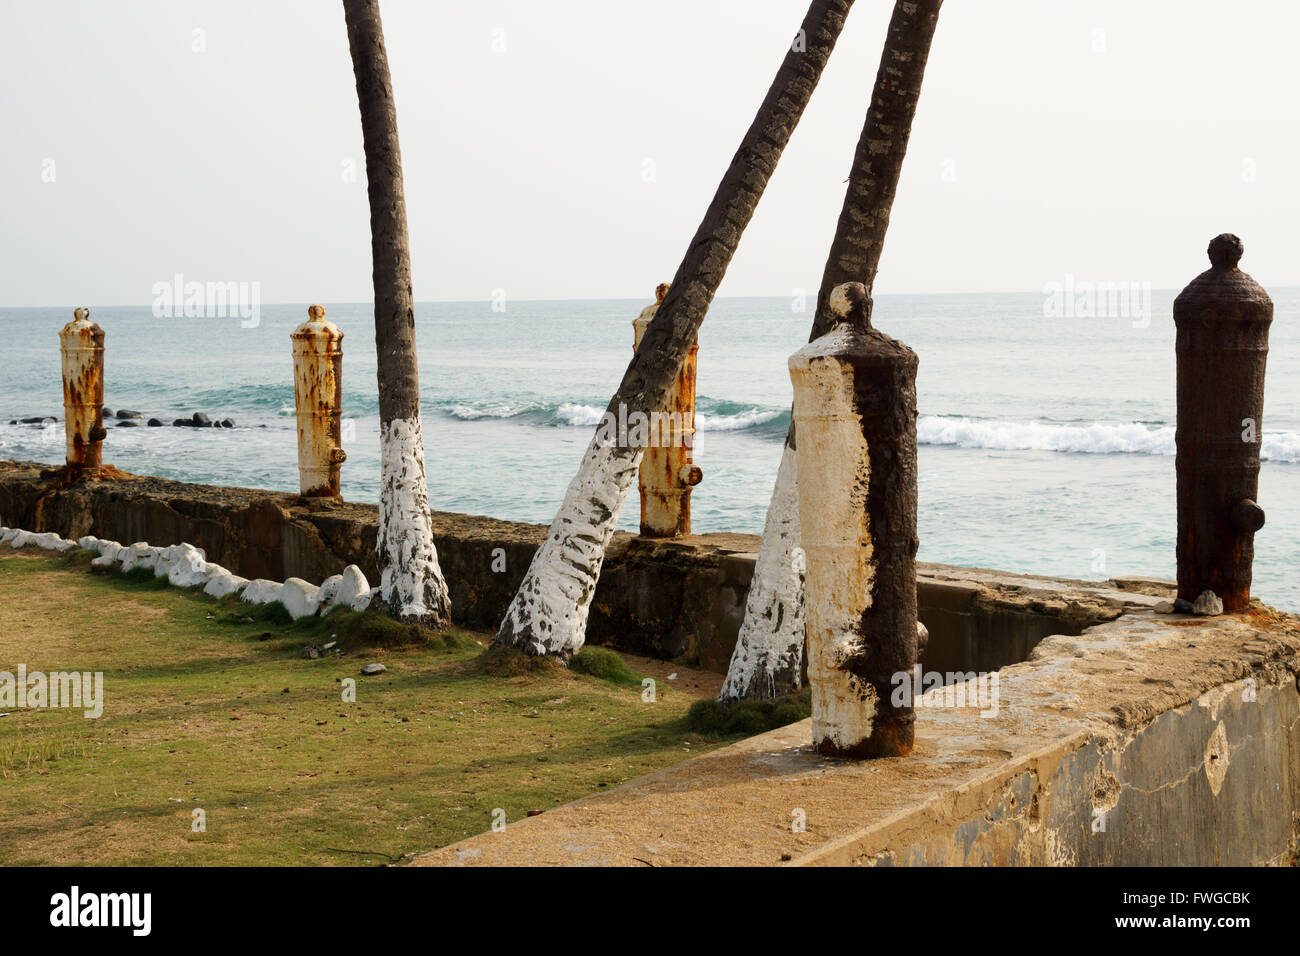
604	664
748	717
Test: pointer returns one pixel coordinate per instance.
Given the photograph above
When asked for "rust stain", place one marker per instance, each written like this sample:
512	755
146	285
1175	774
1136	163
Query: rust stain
667	471
318	402
855	403
1223	319
81	348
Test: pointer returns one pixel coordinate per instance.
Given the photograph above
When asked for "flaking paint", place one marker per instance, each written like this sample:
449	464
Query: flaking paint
768	657
411	583
834	471
548	614
667	472
318	402
81	348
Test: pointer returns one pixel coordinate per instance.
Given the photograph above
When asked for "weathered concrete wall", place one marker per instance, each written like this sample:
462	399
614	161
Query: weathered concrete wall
263	534
682	598
1122	737
1150	740
1210	780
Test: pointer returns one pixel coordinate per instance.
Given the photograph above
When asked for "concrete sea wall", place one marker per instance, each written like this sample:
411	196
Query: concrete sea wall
1151	740
1120	736
680	599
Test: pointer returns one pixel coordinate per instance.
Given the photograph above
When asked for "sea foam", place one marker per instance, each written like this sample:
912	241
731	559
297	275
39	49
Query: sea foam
1095	438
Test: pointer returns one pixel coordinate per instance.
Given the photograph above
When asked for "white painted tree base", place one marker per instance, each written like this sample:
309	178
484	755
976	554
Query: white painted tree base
548	614
411	582
769	648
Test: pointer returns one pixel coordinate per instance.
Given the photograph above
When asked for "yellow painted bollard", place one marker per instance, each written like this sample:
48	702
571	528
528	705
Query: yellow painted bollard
318	401
667	472
81	345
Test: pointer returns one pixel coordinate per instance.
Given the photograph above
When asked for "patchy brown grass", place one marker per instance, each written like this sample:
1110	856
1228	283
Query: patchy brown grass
204	710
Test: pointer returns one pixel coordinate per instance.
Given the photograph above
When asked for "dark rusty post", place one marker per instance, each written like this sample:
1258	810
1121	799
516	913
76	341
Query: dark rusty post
855	422
1222	319
81	346
667	471
318	401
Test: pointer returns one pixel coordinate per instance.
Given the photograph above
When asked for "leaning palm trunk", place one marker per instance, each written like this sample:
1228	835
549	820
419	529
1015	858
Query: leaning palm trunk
411	583
549	612
768	657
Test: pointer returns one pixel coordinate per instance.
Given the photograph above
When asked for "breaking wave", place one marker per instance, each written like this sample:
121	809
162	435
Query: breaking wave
714	415
1089	438
710	415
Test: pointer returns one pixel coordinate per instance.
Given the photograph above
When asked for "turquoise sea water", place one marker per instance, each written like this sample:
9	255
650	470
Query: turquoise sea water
1046	443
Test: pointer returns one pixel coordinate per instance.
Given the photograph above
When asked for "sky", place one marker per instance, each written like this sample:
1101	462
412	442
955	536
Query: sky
567	149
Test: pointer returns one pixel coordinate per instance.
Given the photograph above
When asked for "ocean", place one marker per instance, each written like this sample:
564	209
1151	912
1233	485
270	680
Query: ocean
1047	443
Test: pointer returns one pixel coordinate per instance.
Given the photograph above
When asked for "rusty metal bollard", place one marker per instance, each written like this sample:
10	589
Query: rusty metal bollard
81	346
667	472
855	431
1222	319
318	400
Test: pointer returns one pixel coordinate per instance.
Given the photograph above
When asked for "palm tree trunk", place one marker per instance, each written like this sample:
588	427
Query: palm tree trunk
768	657
411	583
549	612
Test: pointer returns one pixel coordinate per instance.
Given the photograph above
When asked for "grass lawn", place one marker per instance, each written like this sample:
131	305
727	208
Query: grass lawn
206	707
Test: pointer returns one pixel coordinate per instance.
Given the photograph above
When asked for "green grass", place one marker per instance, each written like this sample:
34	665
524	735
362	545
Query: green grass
604	664
748	717
211	705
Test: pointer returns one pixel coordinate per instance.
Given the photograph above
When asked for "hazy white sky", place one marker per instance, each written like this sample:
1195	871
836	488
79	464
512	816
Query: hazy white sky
1106	139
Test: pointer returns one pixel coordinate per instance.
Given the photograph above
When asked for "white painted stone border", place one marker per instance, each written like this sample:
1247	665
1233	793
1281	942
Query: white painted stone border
185	566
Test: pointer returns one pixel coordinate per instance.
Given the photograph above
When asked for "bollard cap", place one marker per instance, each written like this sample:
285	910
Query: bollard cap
642	321
82	326
316	327
849	303
1225	251
852	339
1223	290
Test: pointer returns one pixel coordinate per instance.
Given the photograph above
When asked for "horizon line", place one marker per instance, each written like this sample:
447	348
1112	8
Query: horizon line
147	305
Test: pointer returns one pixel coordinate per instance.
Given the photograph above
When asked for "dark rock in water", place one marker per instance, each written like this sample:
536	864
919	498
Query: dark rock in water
128	413
197	420
128	424
154	423
227	423
107	412
39	420
13	421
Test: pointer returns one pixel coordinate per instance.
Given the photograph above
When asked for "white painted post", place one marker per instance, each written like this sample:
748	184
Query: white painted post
855	430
